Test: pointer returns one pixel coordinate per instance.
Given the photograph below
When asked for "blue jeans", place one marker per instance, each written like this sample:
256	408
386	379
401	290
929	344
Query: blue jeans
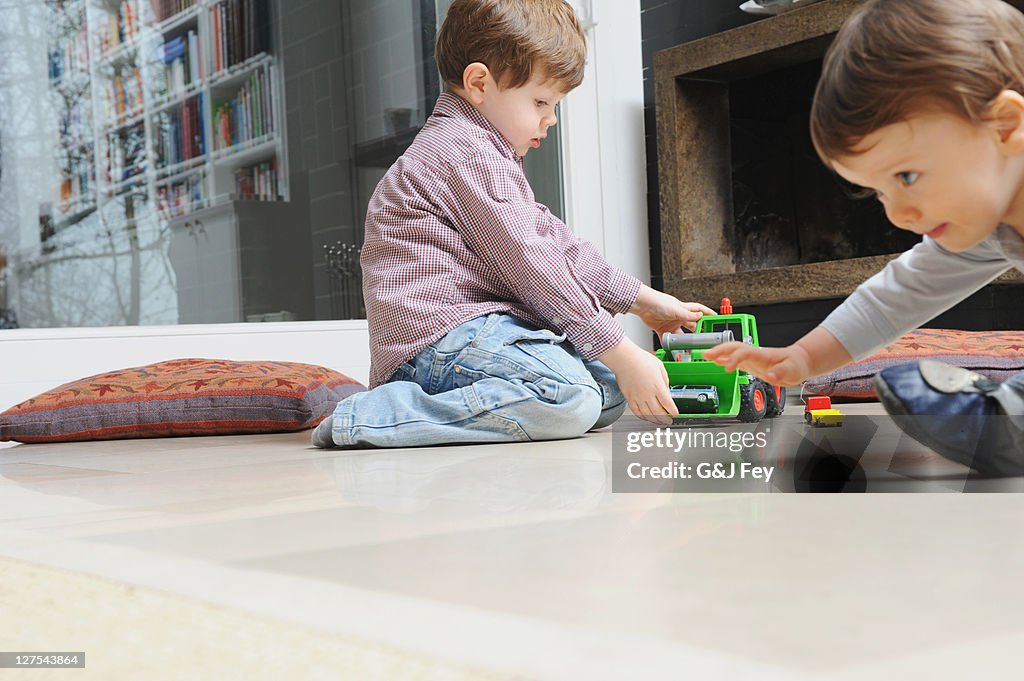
492	379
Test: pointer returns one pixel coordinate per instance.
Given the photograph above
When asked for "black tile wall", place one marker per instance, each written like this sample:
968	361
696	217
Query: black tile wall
345	62
319	125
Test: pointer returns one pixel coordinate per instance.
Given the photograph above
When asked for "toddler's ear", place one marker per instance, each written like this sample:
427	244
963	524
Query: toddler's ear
1006	116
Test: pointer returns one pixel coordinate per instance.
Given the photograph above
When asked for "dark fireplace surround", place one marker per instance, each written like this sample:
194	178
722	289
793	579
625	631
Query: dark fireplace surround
747	209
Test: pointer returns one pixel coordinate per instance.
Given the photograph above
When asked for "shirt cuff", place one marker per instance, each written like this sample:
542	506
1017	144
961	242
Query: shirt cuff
595	337
622	293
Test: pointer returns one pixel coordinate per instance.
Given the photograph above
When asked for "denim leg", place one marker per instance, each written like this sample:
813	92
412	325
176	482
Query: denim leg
613	402
492	379
1010	396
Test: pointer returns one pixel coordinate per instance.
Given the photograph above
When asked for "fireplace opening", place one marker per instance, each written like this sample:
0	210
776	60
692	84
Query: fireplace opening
788	208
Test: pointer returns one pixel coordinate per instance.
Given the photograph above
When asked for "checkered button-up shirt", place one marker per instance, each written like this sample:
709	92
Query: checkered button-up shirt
453	232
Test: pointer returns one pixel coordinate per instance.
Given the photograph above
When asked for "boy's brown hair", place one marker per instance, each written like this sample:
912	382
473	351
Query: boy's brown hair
515	39
896	58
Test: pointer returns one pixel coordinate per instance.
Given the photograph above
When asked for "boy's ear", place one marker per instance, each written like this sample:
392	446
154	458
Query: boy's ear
1006	117
476	82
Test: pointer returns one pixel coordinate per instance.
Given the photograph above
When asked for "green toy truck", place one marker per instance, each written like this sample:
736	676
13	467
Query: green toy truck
734	394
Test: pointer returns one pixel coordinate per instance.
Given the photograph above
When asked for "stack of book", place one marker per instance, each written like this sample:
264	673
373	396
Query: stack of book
258	182
240	29
120	27
122	96
182	196
182	63
76	182
180	134
69	53
248	116
165	9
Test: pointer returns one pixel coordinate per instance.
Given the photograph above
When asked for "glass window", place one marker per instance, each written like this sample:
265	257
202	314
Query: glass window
186	161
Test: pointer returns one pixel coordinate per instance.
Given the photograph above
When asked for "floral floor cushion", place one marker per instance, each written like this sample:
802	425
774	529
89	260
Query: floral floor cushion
181	397
996	354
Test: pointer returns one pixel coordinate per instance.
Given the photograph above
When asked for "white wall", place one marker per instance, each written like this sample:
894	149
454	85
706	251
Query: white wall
603	144
34	360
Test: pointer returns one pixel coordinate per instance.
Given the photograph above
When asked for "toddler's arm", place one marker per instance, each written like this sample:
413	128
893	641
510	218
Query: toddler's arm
910	290
816	353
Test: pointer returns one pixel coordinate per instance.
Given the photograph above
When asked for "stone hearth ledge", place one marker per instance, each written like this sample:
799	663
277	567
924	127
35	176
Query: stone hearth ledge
815	281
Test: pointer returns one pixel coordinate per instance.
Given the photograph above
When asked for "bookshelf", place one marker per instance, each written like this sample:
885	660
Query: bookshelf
173	105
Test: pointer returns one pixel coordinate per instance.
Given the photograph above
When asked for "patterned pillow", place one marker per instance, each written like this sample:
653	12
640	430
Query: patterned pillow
996	354
181	397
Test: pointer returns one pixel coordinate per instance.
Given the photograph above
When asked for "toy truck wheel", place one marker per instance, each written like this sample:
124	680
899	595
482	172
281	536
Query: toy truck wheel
776	405
753	402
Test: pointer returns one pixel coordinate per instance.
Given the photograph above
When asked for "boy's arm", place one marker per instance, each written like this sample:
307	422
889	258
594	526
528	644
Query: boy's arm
914	288
642	379
529	251
616	289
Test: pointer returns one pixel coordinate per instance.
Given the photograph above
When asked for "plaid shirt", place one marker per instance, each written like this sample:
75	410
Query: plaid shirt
453	232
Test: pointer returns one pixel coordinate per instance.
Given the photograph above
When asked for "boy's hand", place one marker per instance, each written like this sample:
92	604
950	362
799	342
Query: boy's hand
780	366
643	381
667	314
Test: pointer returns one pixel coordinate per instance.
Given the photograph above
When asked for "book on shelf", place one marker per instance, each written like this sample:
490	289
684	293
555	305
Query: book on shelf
165	9
181	197
258	182
120	28
122	95
247	116
76	182
193	57
180	133
240	30
181	63
69	53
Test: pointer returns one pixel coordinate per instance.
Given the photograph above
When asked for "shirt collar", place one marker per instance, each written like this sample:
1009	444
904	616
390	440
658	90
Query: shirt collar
1011	241
451	105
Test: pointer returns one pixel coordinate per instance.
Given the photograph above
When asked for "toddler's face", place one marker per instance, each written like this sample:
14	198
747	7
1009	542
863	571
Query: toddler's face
938	174
522	115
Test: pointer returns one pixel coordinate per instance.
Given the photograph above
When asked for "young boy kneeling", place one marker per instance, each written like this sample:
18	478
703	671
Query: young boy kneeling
489	321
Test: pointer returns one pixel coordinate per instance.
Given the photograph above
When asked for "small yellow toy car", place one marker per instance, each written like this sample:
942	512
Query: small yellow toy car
819	413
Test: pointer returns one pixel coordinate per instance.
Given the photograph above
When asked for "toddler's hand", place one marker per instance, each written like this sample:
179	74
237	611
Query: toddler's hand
782	366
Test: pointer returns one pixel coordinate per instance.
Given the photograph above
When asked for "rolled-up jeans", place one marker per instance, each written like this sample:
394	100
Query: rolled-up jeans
492	379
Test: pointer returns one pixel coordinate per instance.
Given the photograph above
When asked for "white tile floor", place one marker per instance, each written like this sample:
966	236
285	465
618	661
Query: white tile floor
520	560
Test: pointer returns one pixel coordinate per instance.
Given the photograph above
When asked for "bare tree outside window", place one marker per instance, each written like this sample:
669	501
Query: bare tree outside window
72	258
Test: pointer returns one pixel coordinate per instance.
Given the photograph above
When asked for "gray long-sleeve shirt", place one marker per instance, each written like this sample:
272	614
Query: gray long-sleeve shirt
917	286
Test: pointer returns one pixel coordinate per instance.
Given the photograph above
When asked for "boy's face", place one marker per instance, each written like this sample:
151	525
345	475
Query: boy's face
939	174
523	114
